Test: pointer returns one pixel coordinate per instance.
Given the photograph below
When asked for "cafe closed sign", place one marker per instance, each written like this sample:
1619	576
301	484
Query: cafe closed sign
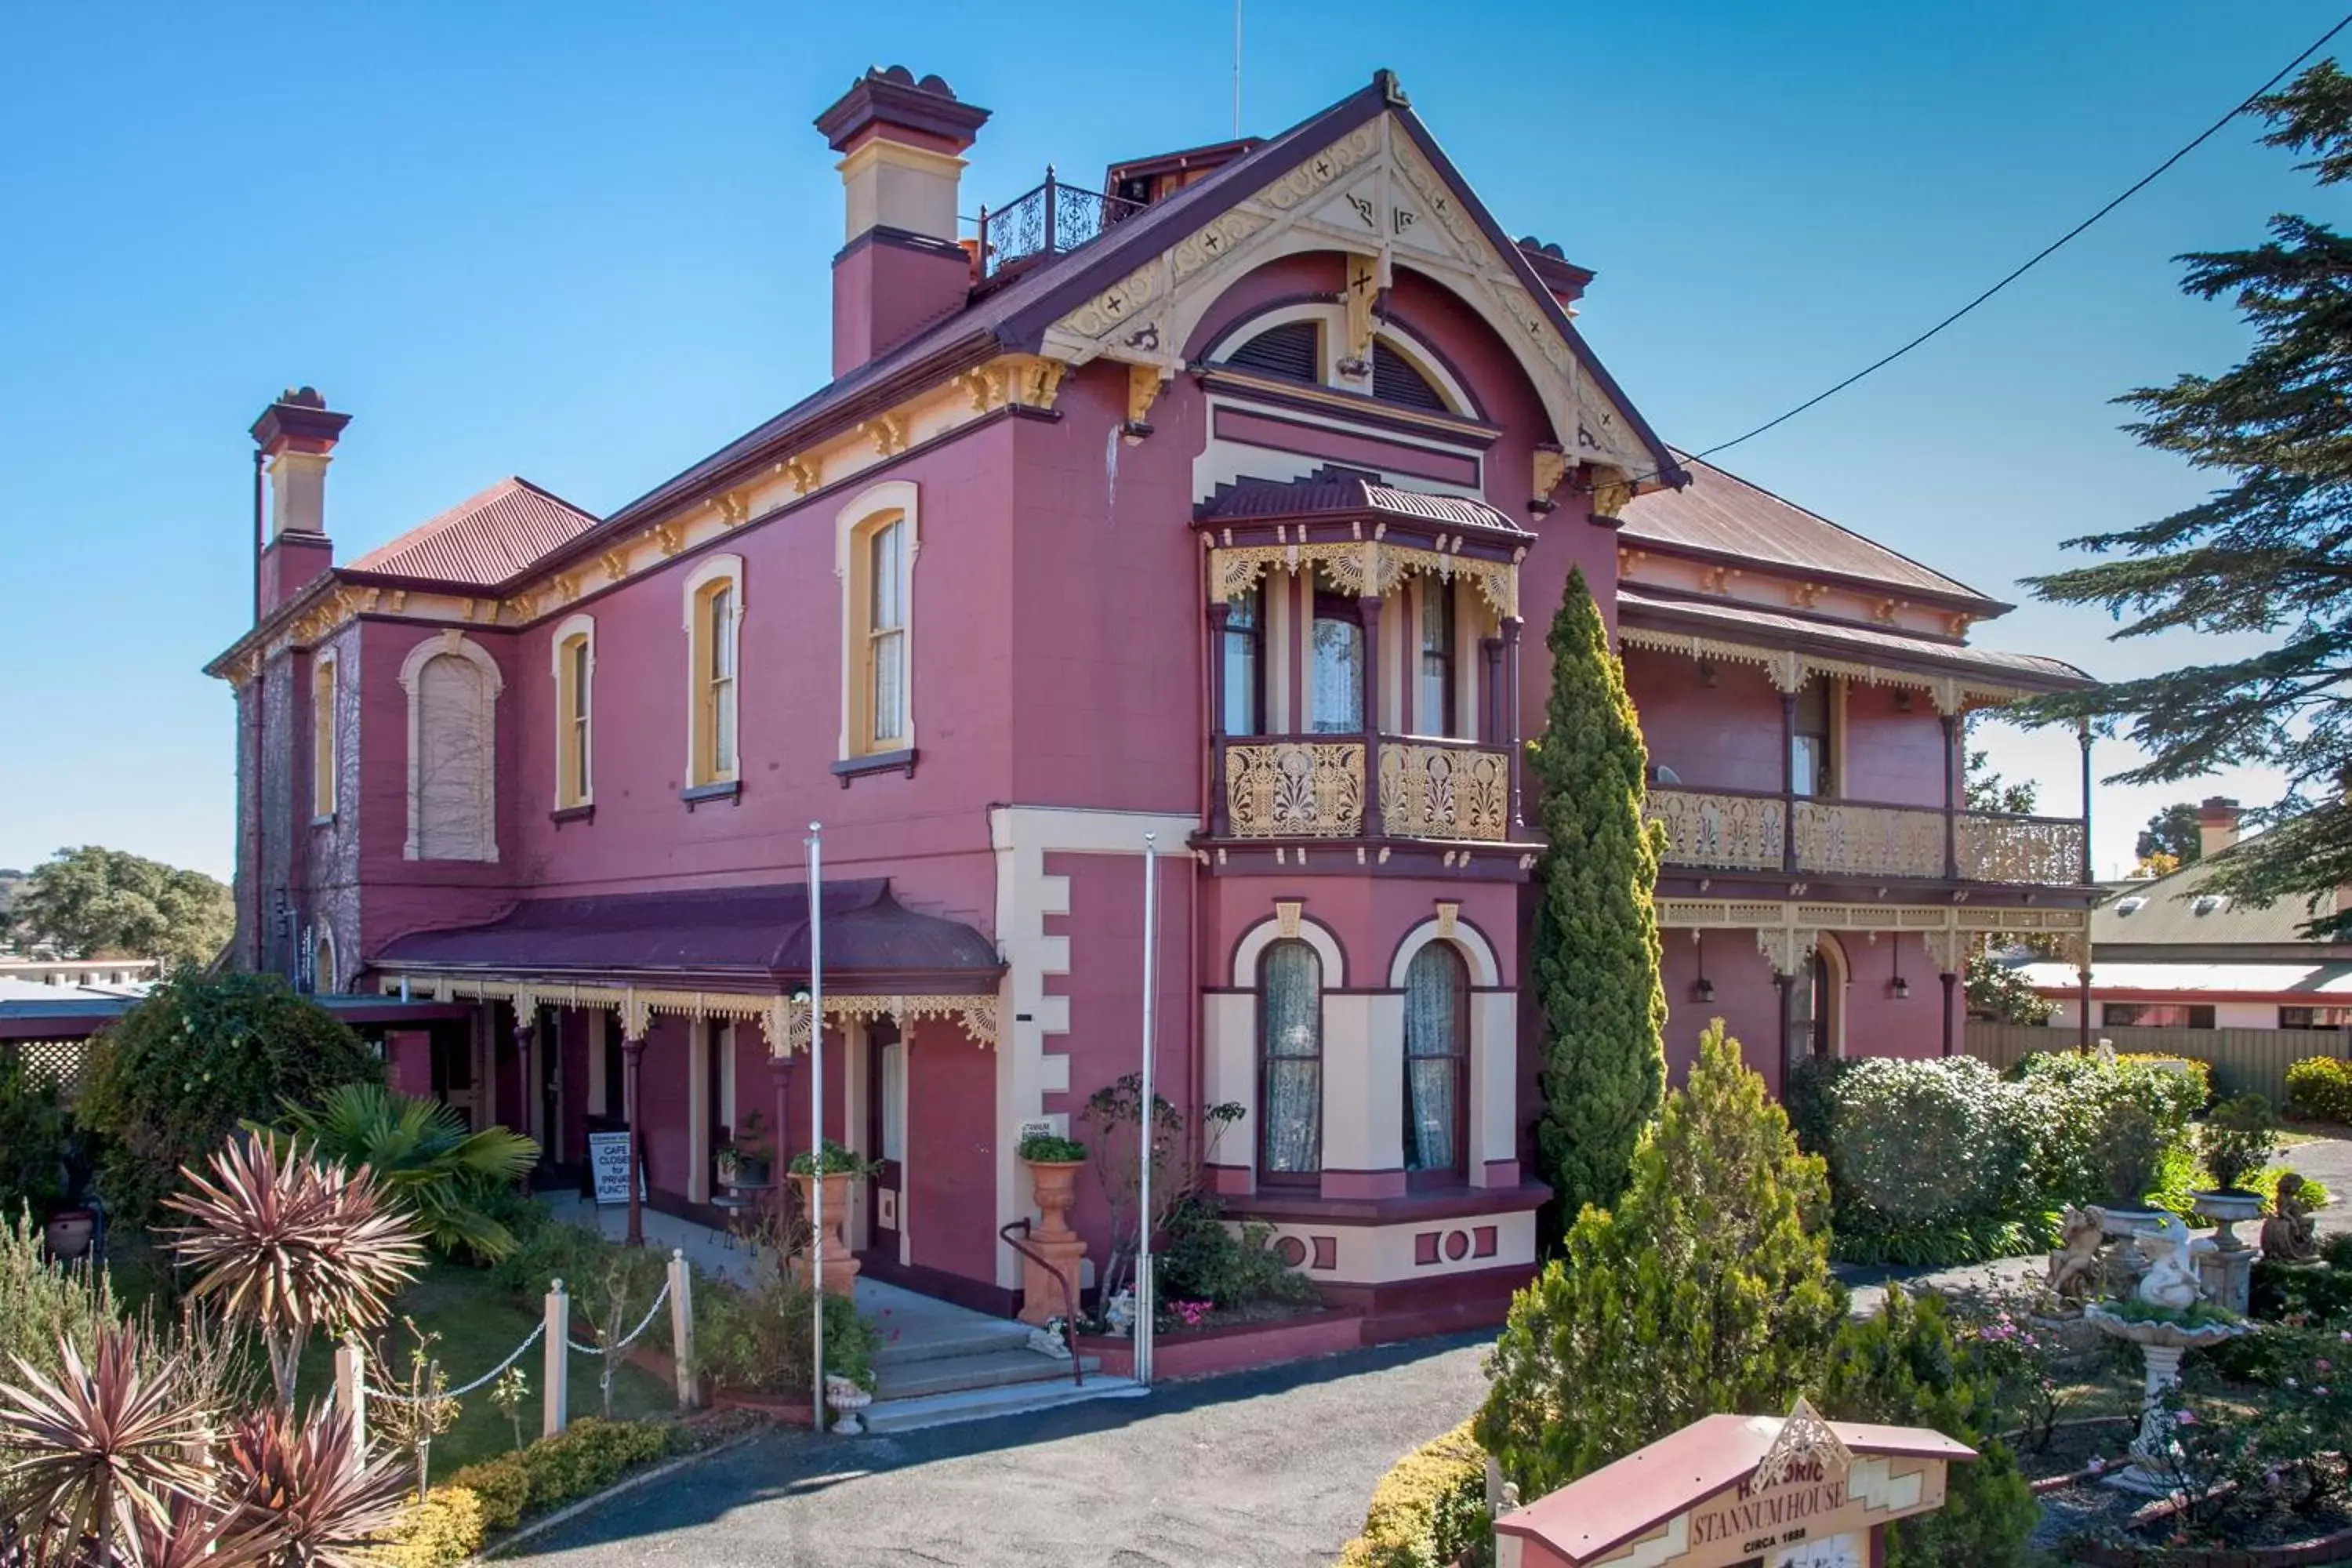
1792	1491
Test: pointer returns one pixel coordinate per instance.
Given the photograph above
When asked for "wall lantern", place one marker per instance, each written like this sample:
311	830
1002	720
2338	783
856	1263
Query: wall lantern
1703	991
1898	987
1706	676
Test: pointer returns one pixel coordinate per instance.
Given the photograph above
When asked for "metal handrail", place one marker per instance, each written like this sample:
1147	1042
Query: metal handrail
1069	1303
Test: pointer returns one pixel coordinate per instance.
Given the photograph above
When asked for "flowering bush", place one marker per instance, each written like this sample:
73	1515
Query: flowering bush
2020	1355
2320	1088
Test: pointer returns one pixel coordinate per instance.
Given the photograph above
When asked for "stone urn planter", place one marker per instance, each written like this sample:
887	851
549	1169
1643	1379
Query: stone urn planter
2226	1209
69	1232
845	1399
1054	1184
2161	1344
840	1266
2226	1270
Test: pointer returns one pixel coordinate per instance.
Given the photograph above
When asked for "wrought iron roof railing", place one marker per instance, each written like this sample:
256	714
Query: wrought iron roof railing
1053	219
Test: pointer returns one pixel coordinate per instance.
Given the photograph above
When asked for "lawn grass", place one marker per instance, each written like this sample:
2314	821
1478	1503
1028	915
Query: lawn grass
476	1328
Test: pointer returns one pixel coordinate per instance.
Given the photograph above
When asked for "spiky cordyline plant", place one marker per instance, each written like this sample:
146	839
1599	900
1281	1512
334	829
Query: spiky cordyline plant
290	1244
102	1453
306	1486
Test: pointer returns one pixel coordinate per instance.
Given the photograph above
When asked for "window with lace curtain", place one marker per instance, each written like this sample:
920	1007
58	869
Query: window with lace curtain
1436	1019
1290	1089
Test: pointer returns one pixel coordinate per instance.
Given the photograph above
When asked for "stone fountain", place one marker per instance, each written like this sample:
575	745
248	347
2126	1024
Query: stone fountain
2173	1282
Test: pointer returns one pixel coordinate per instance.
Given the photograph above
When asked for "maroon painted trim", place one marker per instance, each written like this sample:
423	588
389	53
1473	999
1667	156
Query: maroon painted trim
1421	859
901	760
1432	1303
1425	1207
1275	434
727	790
884	236
879	98
1350	1185
1663	617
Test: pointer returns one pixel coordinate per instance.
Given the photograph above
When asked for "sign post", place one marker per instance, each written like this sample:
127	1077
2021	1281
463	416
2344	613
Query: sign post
816	1119
1149	1130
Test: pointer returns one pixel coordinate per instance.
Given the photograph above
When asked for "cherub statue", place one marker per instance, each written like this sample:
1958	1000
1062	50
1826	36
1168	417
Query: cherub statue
2291	1234
2073	1273
2171	1282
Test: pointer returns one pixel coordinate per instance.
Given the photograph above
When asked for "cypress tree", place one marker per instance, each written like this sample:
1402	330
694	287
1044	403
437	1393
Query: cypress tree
1596	958
1706	1289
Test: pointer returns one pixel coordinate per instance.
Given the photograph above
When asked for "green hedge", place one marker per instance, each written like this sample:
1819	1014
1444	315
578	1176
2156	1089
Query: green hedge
586	1457
1940	1162
2320	1088
1429	1510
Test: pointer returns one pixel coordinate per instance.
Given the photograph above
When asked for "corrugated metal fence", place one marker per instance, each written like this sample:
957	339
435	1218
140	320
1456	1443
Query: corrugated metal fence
2243	1060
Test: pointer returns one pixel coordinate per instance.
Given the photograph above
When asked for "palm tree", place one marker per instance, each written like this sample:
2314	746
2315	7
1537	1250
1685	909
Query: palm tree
289	1243
421	1153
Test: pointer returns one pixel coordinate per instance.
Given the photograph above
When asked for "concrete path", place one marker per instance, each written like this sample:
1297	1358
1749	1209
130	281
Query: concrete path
1270	1467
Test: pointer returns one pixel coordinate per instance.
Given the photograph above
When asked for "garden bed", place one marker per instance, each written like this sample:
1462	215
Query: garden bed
1232	1347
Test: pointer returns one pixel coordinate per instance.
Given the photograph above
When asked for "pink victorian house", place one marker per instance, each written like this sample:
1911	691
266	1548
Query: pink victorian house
1222	509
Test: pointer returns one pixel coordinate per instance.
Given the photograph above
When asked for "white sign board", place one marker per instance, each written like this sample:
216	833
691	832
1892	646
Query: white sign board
608	1162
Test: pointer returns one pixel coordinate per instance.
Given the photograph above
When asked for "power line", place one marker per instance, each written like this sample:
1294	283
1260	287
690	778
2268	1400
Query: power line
2040	255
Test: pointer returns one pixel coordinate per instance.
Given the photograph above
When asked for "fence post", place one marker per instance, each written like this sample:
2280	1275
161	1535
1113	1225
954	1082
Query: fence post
681	1330
350	1392
555	1386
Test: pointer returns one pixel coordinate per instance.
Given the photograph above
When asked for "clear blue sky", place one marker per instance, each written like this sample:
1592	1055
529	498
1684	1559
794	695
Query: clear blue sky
588	244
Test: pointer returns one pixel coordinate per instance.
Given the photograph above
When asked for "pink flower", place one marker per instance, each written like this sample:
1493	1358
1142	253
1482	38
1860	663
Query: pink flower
2321	1365
2185	1418
2097	1466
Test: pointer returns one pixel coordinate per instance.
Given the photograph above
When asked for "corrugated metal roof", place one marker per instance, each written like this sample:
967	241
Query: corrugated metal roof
1713	618
483	541
1337	492
2333	981
2179	911
1722	514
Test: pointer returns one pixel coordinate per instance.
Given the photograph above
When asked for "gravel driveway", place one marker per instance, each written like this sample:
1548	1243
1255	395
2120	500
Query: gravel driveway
1270	1467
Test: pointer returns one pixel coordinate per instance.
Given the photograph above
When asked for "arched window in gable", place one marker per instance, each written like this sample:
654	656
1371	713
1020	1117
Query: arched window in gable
453	686
1397	379
1293	350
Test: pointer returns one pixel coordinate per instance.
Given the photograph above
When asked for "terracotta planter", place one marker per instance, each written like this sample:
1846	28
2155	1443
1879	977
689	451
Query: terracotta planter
840	1266
69	1232
1053	1184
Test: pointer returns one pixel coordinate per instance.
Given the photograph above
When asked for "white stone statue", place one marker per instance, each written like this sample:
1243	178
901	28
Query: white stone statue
2171	1282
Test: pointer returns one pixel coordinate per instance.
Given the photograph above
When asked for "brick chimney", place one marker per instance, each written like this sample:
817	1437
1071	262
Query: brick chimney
899	269
295	433
1565	279
2217	825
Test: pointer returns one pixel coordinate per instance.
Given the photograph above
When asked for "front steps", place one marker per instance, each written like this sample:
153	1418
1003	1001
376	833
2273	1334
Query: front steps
983	1368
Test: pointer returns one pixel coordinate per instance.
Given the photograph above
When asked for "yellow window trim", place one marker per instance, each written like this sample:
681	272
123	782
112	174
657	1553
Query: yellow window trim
712	576
575	712
894	504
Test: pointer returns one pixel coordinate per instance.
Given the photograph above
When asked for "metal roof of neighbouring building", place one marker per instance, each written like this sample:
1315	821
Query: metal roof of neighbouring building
1721	514
2180	911
484	540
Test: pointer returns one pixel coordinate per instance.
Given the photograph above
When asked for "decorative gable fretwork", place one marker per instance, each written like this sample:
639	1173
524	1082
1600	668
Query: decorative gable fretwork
1367	568
1374	195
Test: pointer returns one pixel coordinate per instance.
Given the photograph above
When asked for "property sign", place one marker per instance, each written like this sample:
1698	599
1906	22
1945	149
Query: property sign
608	1162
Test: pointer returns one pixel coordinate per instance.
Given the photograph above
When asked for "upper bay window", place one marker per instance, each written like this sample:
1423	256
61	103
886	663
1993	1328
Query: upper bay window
714	629
1434	702
1242	649
1337	673
1812	764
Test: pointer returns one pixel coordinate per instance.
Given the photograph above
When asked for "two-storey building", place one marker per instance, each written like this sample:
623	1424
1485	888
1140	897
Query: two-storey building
1210	511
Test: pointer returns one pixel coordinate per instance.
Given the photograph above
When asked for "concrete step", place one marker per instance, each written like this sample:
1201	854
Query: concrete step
985	1403
992	1369
978	1336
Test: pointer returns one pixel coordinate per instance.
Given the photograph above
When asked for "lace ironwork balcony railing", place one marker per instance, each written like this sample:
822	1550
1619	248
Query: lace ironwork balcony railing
1744	830
1445	789
2041	851
1050	220
1294	789
1721	832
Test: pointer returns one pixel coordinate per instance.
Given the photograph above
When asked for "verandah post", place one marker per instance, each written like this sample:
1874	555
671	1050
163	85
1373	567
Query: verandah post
555	1362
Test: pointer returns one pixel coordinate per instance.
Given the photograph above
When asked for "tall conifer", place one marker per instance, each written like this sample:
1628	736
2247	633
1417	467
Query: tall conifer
1596	960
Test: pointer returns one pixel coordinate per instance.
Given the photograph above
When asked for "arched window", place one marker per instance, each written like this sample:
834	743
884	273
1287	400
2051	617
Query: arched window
714	629
575	678
1436	1030
1293	350
453	690
1290	1091
322	962
1397	379
1245	663
323	738
876	538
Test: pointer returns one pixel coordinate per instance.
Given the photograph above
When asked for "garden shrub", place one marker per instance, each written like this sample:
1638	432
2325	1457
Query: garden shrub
500	1488
1707	1289
599	1274
34	1129
758	1341
46	1305
1198	1258
585	1457
444	1527
201	1054
1429	1510
1906	1367
2320	1089
423	1152
1924	1141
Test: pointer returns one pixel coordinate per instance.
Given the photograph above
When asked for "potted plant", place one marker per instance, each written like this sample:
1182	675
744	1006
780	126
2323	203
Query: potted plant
746	1161
2236	1142
2129	1147
835	1166
1050	1290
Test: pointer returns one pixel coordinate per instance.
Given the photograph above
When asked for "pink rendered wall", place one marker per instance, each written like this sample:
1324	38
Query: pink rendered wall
1891	755
662	1090
1726	736
1746	999
1877	1023
1104	930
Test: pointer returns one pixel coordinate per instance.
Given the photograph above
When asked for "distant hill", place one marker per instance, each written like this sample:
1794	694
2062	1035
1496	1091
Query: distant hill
10	879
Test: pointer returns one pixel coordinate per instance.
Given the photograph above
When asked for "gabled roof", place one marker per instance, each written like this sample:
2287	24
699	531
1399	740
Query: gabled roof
484	540
1337	494
1723	516
2179	911
1013	318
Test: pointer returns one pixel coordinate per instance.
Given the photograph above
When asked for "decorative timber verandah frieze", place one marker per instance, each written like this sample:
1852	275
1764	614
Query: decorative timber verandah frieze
1787	930
783	1019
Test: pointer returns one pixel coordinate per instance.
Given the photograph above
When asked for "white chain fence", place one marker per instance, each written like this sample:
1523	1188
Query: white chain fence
643	1324
516	1355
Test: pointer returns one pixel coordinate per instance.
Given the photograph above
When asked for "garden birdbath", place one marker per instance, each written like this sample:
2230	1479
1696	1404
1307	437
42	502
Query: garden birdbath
2161	1343
846	1398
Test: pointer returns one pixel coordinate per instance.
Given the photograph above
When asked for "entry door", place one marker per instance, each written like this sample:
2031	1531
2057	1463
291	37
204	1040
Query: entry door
452	1072
886	1134
549	1055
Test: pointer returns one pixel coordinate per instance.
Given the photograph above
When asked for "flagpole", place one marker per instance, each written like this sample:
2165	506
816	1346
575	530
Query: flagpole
817	1117
1144	1306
